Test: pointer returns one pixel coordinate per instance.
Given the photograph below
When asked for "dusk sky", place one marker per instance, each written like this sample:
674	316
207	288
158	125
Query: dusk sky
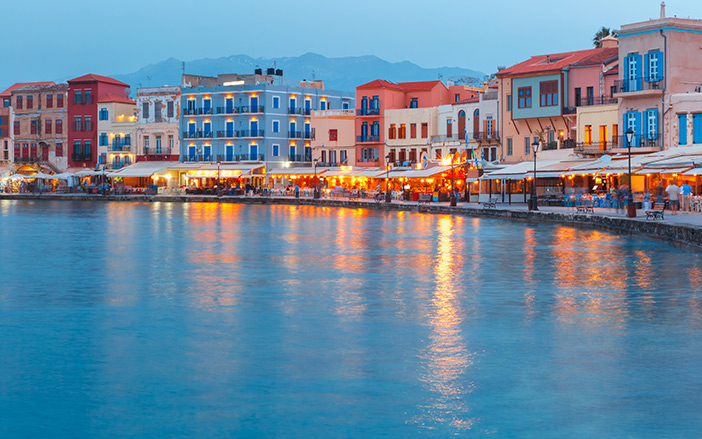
56	40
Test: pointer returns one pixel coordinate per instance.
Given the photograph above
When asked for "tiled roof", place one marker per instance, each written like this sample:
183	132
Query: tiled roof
112	98
600	57
547	63
419	85
42	87
380	83
9	90
97	78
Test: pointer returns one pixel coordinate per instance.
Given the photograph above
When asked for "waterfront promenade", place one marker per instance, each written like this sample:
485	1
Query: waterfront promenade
685	228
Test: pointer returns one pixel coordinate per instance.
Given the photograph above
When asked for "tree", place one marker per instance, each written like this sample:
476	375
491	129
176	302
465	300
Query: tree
603	32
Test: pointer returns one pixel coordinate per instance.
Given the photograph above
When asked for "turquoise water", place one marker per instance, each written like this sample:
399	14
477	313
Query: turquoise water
205	320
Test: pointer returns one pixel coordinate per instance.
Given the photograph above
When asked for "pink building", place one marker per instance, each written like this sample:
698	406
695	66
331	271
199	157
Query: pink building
333	142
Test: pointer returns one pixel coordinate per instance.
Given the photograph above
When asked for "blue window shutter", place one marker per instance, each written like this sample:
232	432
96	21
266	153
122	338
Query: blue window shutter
625	85
639	76
637	128
661	67
682	129
697	128
654	135
647	67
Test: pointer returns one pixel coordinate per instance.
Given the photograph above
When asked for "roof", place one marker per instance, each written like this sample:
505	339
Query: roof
97	78
113	98
40	87
419	85
549	62
380	83
598	58
9	90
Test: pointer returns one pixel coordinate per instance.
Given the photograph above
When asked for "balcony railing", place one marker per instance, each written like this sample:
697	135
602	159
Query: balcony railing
651	140
120	148
226	134
638	84
196	111
570	110
81	157
250	133
33	159
445	138
300	158
157	151
225	110
294	110
367	139
485	135
249	110
199	134
367	111
595	100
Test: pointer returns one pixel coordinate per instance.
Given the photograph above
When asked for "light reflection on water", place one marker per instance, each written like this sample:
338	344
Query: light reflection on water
160	319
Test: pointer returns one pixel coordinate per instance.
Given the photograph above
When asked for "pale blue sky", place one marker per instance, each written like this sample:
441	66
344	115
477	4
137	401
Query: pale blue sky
50	39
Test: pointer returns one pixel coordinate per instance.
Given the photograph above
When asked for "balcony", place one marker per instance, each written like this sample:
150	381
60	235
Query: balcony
594	148
81	157
119	148
570	110
32	159
199	134
157	151
196	111
293	110
249	110
367	139
640	86
300	158
225	110
485	135
309	135
249	157
250	133
227	134
367	112
444	138
595	100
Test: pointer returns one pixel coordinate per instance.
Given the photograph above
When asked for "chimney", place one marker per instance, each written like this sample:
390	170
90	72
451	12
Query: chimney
662	10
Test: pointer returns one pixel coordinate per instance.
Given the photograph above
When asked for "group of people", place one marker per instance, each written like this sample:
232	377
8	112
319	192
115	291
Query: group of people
679	197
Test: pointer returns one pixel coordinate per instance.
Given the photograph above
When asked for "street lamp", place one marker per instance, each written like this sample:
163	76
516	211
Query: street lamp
534	204
103	180
452	199
316	193
388	196
219	191
630	207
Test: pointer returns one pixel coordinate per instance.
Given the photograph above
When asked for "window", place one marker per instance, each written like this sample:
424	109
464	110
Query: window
59	126
345	106
548	93
524	100
88	97
590	95
652	124
276	102
527	145
146	144
16	128
276	126
509	102
30	102
171	143
276	150
86	144
457	97
413	130
78	97
342	155
103	139
323	105
425	130
76	147
59	101
403	132
145	110
324	157
509	146
682	129
653	65
49	101
88	123
47	126
33	127
588	134
333	134
103	114
631	71
5	103
578	95
78	124
157	111
449	128
18	103
158	144
392	131
170	112
414	103
59	149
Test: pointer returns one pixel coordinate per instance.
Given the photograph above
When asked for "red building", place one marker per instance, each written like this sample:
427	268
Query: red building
377	96
84	93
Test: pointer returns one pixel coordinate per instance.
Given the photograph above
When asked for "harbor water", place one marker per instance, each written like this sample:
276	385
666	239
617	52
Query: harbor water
223	320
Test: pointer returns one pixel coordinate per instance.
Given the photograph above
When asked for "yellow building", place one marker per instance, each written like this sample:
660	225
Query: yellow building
117	124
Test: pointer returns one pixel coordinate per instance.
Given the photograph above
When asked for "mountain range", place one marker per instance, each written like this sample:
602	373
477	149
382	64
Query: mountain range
343	74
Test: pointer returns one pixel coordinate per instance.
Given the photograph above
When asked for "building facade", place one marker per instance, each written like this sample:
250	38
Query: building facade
333	142
117	127
255	117
158	129
38	126
84	93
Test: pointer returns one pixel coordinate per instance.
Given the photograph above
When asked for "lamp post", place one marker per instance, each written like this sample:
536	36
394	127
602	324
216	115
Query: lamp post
316	192
452	199
103	181
388	196
534	204
630	207
219	190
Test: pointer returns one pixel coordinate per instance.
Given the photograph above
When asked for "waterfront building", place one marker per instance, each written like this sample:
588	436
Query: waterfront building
158	128
38	127
116	126
379	133
660	84
333	141
84	93
265	118
539	97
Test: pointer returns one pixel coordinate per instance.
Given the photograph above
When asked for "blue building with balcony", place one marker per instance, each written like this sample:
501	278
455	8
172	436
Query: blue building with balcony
263	118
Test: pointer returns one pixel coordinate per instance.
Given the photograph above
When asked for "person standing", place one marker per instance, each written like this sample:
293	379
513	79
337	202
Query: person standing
673	191
686	195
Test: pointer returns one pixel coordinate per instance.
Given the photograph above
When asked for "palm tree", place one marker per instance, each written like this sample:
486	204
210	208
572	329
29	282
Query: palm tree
603	32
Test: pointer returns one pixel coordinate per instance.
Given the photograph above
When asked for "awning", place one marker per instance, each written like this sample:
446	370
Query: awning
339	172
693	171
87	173
299	172
140	169
661	170
371	173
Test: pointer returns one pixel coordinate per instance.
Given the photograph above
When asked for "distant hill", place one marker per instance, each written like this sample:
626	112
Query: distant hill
342	74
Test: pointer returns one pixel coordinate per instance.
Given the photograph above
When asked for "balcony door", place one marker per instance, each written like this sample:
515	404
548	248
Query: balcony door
603	137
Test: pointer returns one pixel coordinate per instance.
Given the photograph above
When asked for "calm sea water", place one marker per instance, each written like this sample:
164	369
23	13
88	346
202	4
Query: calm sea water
206	320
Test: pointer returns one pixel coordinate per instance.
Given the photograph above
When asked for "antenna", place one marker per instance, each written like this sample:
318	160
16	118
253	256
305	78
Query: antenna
312	75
